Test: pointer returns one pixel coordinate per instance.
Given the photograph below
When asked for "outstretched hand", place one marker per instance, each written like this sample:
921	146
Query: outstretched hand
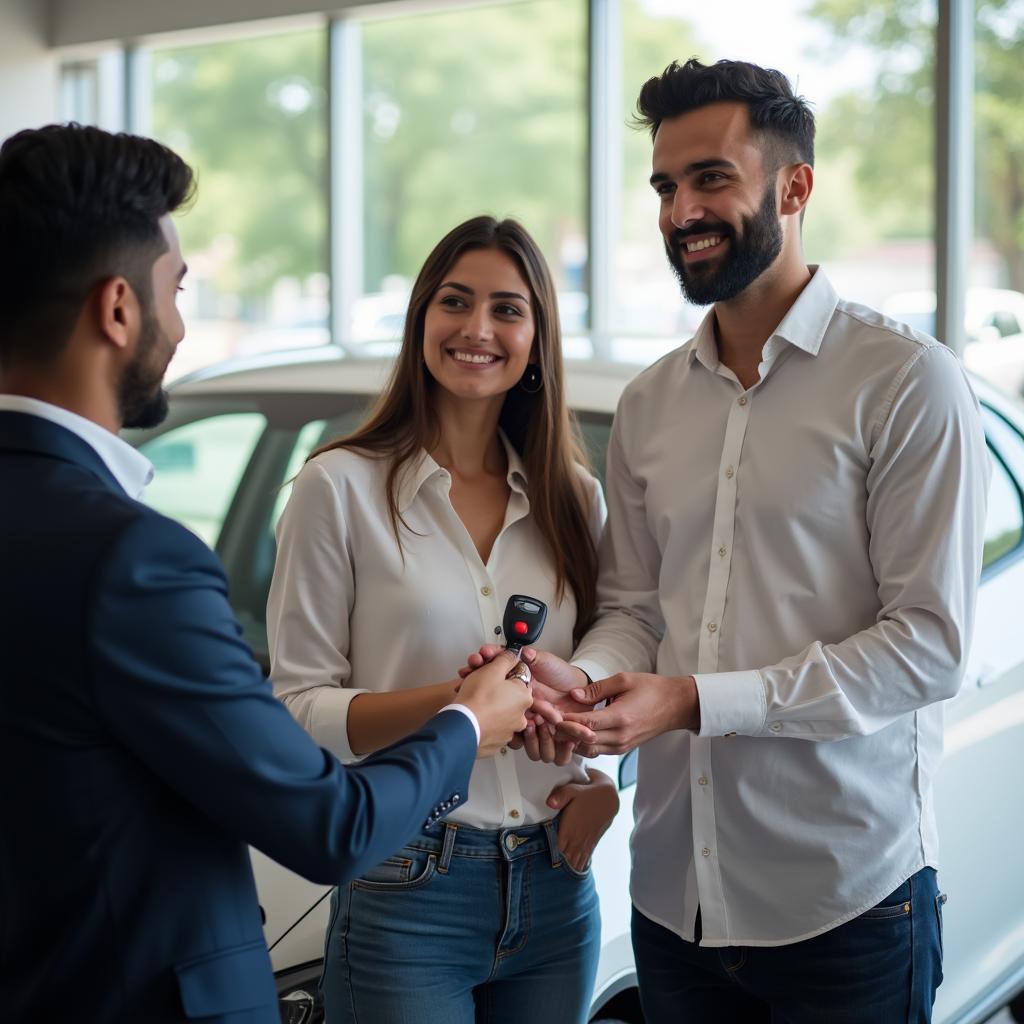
641	706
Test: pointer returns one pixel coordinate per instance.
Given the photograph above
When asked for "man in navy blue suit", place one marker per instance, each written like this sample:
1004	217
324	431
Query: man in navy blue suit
140	747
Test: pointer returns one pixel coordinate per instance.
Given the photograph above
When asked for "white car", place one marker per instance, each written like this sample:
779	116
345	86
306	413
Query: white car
236	435
993	331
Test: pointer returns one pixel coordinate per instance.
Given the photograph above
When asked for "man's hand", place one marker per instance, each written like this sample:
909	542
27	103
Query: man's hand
499	704
641	706
587	811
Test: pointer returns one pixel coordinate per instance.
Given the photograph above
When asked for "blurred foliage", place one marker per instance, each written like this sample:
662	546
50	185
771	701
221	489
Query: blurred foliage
999	131
889	129
249	115
484	110
464	112
650	44
468	112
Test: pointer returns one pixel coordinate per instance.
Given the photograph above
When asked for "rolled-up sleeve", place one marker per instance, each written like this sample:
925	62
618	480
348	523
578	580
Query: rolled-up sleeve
308	611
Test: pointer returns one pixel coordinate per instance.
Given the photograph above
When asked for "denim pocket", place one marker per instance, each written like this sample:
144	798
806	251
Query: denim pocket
897	904
409	869
585	873
940	902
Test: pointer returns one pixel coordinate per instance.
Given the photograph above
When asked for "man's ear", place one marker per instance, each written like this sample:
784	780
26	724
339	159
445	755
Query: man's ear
795	188
117	311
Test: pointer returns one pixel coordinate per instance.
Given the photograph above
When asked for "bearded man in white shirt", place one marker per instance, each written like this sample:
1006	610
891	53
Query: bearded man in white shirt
796	502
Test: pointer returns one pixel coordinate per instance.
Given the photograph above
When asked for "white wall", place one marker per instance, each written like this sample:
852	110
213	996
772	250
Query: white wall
28	70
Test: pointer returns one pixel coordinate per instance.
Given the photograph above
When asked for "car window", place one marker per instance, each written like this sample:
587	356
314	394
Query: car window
1005	523
250	555
596	428
309	437
198	468
1004	526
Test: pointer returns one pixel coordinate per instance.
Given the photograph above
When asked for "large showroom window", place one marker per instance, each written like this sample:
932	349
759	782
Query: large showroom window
332	155
248	115
467	112
870	218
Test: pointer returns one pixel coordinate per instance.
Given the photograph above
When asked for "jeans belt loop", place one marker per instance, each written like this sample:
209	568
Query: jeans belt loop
552	834
450	831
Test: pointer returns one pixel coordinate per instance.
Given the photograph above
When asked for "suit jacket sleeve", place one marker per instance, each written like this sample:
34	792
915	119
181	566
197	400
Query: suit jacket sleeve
175	683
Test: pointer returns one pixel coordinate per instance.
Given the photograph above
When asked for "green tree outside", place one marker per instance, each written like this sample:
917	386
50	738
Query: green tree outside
249	115
888	132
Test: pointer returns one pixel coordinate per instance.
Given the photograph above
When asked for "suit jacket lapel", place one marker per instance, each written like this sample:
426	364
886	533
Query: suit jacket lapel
21	432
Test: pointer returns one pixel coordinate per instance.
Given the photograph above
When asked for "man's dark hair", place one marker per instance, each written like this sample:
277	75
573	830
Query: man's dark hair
783	119
77	207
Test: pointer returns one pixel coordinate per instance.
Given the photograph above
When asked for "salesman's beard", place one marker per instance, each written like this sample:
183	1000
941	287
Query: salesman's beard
142	399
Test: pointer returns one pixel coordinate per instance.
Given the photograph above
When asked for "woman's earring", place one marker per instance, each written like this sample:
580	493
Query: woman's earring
531	381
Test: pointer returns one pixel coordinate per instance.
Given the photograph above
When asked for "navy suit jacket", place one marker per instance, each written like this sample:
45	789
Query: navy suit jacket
141	749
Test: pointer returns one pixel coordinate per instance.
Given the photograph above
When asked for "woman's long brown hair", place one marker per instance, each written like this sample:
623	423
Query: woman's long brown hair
539	426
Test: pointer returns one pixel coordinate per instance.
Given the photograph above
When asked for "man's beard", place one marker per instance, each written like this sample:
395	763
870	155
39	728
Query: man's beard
748	257
141	397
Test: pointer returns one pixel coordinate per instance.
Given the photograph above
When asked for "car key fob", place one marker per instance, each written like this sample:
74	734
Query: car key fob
523	621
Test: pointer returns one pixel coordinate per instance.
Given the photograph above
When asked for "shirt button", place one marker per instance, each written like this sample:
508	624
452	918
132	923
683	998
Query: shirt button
730	473
743	400
513	813
504	751
721	551
775	727
497	630
705	852
729	735
702	781
712	627
486	591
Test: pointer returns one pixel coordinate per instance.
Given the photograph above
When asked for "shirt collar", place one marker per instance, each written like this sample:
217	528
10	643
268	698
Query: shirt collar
803	326
129	467
424	468
808	318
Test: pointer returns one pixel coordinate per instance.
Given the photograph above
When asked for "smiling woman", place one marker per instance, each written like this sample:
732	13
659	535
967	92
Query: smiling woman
478	332
400	544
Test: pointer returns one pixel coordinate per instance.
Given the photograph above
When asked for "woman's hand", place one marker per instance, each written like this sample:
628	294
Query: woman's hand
552	679
586	812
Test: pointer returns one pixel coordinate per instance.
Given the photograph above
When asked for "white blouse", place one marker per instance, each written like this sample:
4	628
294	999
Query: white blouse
346	615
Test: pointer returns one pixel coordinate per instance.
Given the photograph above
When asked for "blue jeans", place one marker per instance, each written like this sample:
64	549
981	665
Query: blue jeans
465	926
880	968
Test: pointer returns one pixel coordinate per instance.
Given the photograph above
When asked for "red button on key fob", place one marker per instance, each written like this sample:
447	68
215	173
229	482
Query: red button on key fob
521	628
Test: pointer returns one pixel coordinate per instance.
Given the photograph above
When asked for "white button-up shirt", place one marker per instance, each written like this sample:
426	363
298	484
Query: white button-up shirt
809	550
346	615
129	467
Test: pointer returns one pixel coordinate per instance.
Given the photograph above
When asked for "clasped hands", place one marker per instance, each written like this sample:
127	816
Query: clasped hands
563	719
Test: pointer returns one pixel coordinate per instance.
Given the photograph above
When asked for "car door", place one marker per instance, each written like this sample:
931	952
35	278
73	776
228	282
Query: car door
978	792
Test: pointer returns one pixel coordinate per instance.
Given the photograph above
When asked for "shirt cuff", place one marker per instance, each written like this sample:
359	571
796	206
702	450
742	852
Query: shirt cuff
731	703
329	721
468	713
594	669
